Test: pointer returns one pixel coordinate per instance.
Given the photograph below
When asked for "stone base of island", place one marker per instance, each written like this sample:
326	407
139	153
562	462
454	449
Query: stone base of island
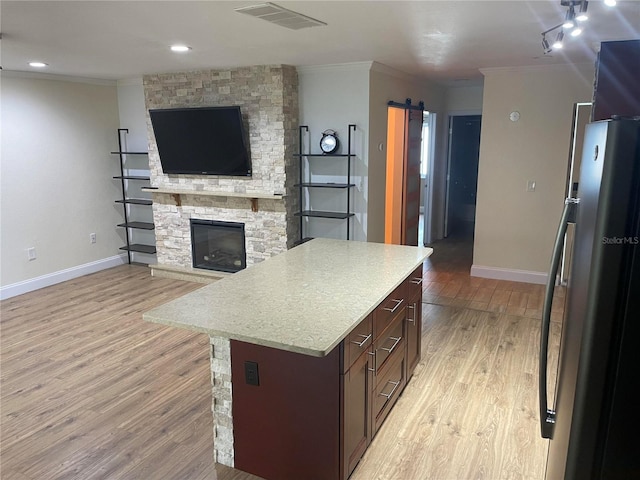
310	350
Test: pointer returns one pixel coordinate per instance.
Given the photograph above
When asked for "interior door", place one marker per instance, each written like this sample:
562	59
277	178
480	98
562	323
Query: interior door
402	196
464	152
396	147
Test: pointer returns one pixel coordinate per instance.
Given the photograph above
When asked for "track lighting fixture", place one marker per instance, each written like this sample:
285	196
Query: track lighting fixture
576	14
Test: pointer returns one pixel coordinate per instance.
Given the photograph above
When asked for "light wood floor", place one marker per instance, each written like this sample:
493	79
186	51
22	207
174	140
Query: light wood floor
90	391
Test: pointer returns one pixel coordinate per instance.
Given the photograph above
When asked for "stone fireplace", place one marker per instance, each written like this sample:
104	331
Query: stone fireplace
264	203
218	246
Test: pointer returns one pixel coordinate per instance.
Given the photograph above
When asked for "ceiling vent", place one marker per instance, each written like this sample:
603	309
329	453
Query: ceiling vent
280	16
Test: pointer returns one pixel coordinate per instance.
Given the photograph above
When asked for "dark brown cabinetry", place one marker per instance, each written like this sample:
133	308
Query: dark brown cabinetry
314	417
356	411
389	371
414	319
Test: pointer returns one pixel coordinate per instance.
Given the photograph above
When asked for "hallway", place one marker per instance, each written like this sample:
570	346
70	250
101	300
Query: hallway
447	282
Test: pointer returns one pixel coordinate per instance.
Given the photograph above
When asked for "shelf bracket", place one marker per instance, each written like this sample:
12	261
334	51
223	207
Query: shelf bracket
177	198
254	204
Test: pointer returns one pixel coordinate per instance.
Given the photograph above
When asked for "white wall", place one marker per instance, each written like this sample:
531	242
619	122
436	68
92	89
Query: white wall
390	85
332	97
464	99
515	228
56	179
132	113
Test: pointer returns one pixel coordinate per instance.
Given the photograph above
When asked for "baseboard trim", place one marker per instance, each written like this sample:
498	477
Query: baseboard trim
513	275
49	279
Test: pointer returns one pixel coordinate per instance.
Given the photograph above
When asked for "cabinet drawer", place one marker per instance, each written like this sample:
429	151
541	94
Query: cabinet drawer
389	345
388	389
358	341
388	311
414	283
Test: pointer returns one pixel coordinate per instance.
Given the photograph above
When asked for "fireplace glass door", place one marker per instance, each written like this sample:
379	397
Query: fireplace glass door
218	245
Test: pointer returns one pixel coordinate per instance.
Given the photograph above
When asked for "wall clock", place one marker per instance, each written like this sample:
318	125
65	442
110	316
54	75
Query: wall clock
329	142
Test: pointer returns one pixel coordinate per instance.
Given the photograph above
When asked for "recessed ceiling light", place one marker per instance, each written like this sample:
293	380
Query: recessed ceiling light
37	64
180	48
610	3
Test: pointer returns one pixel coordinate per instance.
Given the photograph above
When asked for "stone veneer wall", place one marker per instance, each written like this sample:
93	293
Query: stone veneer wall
222	401
265	230
268	99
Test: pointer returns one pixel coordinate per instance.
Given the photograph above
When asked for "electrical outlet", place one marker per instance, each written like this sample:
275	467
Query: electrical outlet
251	376
31	253
531	185
92	237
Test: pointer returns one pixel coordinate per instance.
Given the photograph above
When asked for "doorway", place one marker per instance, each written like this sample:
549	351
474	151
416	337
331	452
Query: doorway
462	175
426	178
403	181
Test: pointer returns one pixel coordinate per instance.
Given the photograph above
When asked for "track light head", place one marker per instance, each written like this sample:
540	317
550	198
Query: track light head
546	48
570	19
582	14
559	39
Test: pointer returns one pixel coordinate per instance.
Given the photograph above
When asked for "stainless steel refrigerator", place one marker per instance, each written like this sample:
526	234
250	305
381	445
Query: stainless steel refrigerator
593	420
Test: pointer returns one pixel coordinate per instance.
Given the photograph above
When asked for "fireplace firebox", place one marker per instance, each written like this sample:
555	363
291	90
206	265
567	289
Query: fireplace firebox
218	245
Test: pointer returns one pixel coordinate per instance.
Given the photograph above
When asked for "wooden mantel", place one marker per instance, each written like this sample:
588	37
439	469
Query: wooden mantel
252	196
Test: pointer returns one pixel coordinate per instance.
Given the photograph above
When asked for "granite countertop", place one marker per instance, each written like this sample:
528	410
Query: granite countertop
306	300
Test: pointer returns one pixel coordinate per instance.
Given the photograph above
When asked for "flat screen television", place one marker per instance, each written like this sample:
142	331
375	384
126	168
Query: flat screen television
201	141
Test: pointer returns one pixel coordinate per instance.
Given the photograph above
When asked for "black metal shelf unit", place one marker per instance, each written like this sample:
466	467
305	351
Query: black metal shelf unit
304	185
128	224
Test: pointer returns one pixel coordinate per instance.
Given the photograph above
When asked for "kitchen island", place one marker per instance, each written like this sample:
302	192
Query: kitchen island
310	351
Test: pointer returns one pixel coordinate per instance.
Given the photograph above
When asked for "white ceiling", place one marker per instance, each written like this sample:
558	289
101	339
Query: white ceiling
442	40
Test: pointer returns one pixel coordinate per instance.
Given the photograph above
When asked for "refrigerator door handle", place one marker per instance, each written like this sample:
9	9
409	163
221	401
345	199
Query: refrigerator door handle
547	415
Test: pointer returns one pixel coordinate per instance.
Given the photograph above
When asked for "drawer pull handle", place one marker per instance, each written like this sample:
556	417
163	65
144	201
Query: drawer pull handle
416	280
365	340
397	341
398	303
373	354
412	307
390	394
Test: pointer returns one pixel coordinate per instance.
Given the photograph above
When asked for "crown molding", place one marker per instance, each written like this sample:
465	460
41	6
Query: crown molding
392	72
59	78
127	82
559	67
335	67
